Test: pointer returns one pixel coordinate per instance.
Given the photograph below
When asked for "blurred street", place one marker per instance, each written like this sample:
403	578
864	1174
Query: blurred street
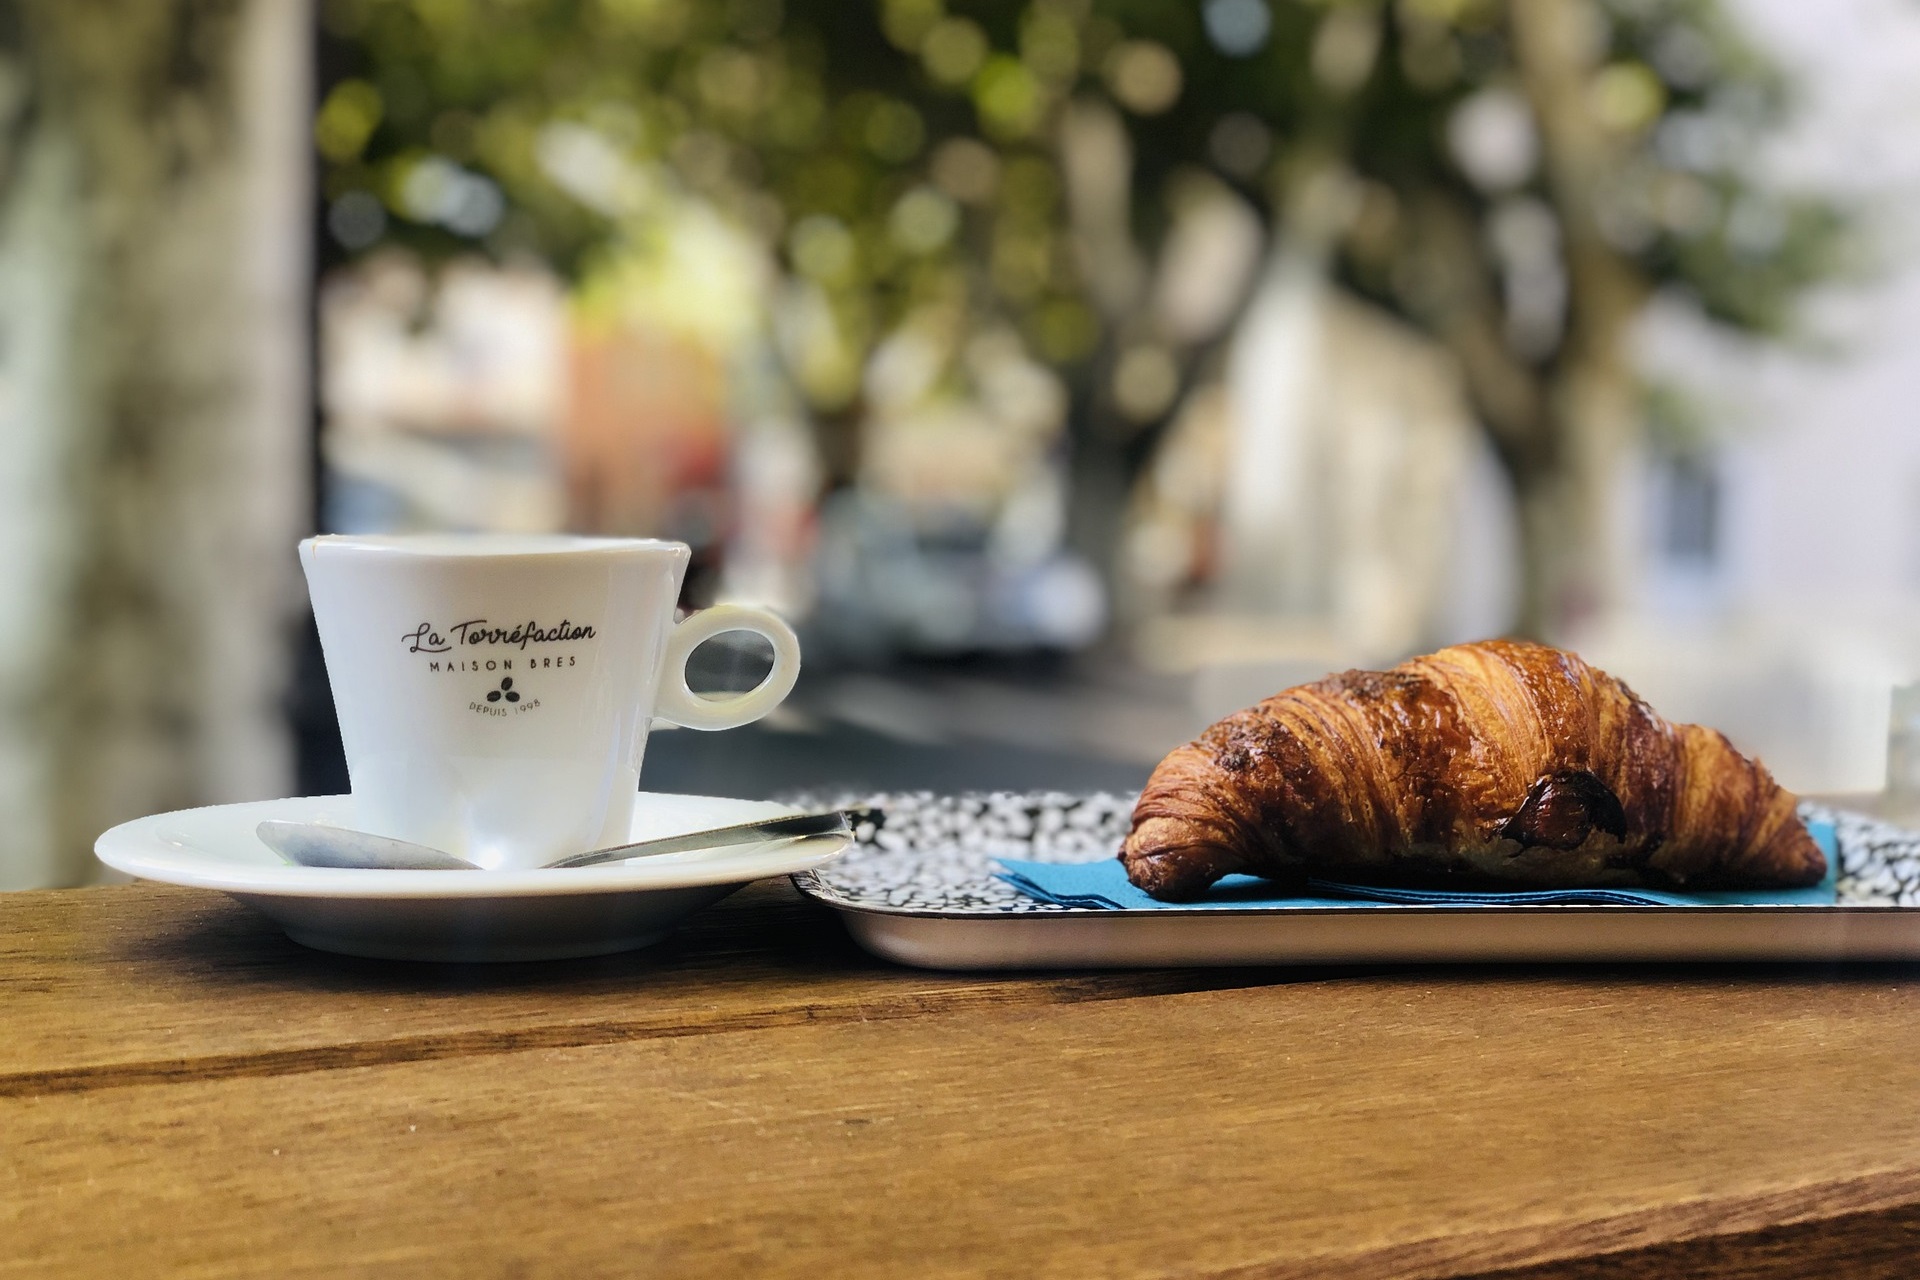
1068	724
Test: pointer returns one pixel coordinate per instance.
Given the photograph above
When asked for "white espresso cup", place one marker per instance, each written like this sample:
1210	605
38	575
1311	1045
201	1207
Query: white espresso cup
495	691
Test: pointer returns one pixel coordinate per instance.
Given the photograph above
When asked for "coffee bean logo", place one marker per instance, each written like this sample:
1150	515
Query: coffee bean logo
504	691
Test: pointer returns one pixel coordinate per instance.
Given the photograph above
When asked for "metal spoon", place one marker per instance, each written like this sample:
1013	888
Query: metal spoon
313	844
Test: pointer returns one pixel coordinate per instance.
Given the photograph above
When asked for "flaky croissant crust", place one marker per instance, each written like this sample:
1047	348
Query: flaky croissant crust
1502	764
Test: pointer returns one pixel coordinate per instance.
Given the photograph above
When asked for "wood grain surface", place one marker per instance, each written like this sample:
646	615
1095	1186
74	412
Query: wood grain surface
186	1094
122	984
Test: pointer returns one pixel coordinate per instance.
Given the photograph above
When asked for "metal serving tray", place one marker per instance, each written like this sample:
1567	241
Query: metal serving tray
933	903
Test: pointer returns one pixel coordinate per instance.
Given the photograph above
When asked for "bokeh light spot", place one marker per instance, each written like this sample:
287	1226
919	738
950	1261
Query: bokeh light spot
1238	28
1050	45
347	119
923	220
434	189
1144	76
953	50
1345	46
822	249
1628	97
356	220
1492	138
966	169
894	131
1008	97
907	22
1240	143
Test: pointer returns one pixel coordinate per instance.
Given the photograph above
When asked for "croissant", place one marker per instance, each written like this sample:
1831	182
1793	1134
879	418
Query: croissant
1501	764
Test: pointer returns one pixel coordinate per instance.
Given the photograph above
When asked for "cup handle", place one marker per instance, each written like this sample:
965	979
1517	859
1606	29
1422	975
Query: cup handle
678	704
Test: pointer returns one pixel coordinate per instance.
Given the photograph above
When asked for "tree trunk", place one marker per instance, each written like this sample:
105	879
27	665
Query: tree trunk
1108	449
1095	157
1573	563
1549	544
1576	559
153	233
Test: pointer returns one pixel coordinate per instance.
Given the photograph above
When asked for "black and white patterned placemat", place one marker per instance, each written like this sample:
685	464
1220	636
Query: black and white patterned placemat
924	852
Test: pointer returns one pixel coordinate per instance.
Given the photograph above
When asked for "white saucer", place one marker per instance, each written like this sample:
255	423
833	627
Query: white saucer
461	915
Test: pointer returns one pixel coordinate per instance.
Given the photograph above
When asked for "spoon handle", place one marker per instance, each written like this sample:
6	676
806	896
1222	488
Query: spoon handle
784	828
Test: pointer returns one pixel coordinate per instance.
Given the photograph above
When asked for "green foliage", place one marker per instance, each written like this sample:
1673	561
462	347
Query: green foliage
904	152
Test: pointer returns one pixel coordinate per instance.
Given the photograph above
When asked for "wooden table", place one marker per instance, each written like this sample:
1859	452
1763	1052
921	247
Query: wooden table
184	1092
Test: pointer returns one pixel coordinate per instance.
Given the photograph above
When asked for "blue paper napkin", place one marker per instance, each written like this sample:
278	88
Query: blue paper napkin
1104	885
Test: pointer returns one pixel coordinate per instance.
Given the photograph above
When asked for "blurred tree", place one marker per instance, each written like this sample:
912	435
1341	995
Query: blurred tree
153	233
1513	179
